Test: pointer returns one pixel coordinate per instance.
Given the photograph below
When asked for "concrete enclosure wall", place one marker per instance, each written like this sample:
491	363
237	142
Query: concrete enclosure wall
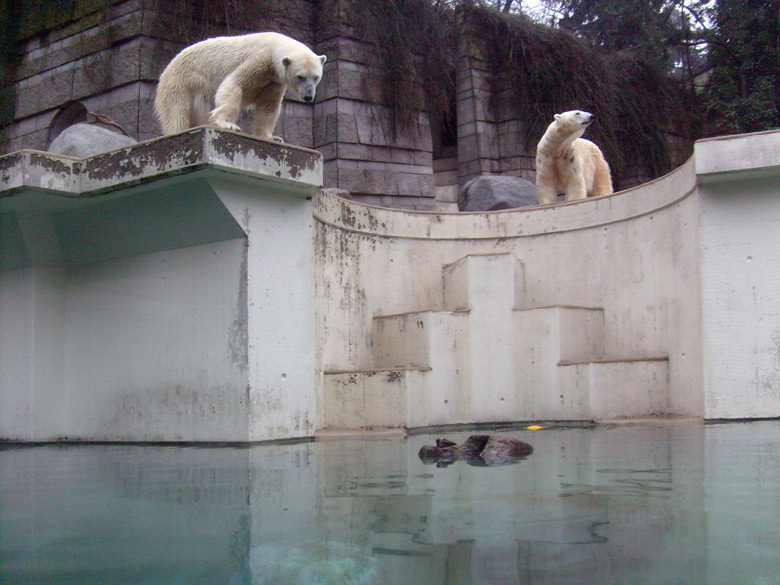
202	287
633	258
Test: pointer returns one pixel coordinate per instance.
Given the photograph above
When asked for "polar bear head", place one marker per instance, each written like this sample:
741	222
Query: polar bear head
574	122
304	71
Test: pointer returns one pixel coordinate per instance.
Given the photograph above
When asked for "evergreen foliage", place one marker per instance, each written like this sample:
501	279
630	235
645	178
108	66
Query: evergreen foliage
744	86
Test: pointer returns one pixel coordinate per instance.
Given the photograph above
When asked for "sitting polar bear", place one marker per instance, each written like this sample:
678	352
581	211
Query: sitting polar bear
231	74
565	162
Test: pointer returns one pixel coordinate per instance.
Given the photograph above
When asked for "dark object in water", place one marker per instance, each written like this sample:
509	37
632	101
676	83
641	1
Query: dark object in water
489	450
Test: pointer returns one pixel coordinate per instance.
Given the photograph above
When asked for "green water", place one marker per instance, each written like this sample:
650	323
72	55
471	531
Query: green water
680	503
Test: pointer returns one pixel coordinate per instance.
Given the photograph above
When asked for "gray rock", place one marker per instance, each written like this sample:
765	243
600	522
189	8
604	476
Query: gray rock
82	140
340	193
490	193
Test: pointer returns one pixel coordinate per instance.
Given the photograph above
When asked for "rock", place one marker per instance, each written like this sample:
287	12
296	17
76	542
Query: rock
341	193
491	193
82	140
489	450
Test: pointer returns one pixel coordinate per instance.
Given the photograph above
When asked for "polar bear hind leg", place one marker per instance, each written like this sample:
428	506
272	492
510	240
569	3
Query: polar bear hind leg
175	108
602	178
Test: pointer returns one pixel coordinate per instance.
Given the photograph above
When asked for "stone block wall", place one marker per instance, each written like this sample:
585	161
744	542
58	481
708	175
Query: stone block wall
110	59
491	138
363	153
97	59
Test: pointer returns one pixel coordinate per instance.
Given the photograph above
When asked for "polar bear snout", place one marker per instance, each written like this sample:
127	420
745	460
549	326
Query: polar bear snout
585	118
307	89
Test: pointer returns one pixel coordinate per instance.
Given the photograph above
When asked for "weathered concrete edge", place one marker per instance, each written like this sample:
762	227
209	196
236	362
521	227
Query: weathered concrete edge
643	200
299	169
733	157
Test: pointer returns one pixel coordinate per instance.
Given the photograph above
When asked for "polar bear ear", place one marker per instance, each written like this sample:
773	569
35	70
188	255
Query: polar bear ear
322	59
557	117
286	62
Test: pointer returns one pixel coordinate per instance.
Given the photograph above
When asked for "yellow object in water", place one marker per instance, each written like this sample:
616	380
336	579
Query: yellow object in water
534	428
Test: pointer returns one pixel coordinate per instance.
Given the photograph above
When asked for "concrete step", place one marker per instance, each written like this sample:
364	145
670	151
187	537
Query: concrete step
559	333
617	388
487	283
424	339
370	399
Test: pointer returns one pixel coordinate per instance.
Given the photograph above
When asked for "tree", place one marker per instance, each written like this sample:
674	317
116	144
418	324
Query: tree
744	85
658	30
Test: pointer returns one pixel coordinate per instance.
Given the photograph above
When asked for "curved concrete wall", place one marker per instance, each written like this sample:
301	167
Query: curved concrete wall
635	254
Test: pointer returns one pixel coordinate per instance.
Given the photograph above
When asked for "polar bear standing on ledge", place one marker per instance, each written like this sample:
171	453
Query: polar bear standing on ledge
565	162
231	74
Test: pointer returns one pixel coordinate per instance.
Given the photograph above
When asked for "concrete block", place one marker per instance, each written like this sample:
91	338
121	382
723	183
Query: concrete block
435	340
482	281
543	336
618	388
357	400
485	286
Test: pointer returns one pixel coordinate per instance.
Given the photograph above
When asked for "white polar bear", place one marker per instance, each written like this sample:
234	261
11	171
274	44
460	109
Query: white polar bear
565	162
231	74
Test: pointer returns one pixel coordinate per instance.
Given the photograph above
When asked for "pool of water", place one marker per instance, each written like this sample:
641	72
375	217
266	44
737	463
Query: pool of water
673	503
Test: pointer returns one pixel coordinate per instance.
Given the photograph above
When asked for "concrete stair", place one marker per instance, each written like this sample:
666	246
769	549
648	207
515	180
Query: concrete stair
490	359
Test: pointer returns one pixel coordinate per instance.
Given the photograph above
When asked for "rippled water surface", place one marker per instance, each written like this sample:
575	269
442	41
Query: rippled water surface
675	503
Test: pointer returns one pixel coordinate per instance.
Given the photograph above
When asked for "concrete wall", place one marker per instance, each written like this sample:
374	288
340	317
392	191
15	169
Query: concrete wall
153	295
681	268
188	289
740	256
634	255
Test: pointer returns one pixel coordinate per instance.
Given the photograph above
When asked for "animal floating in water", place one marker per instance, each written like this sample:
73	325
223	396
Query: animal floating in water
487	450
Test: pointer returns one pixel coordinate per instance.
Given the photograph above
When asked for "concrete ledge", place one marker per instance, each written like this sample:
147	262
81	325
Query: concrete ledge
153	196
612	361
297	170
649	420
377	433
738	157
514	223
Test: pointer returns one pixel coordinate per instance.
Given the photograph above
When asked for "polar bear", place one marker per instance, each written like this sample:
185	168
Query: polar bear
231	74
565	162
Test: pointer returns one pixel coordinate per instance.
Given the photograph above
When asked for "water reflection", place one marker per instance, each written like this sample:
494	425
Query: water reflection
664	504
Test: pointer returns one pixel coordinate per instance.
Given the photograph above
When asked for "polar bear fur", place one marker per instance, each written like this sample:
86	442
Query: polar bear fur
565	162
230	74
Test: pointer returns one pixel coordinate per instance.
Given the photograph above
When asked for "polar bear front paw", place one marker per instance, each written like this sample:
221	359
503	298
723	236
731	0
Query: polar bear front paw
226	125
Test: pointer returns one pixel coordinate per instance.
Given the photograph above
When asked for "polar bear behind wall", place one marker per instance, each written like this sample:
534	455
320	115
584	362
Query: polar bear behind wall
214	80
565	162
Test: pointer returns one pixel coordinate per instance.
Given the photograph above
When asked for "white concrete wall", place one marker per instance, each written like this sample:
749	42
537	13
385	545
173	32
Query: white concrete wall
196	294
279	307
635	254
159	293
143	348
740	259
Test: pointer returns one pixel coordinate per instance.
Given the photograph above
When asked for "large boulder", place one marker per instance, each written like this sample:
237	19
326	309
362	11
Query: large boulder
82	140
493	192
